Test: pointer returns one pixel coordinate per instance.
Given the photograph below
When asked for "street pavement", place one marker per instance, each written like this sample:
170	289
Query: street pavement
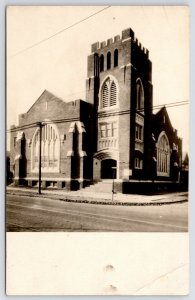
46	213
82	196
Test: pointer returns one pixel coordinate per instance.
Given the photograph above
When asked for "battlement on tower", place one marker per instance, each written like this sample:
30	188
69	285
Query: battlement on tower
127	34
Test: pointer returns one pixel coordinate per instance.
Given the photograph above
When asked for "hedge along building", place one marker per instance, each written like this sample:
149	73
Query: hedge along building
112	134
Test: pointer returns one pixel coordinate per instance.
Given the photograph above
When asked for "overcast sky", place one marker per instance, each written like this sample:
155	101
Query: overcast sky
59	64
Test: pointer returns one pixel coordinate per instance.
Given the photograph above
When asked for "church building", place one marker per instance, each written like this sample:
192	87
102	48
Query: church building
112	133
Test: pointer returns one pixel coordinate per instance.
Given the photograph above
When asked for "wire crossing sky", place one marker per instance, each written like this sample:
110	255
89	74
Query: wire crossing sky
59	32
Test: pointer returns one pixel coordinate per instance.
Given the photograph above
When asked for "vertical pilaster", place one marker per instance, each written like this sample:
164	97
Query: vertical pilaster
82	153
70	154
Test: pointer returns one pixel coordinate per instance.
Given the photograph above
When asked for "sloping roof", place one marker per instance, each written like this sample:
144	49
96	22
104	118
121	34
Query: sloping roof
48	106
159	115
48	95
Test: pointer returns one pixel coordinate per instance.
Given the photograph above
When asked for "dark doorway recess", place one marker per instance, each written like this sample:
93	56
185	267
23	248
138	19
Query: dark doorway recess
106	169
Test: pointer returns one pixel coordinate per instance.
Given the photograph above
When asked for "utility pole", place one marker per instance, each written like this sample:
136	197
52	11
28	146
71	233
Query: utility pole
113	173
40	138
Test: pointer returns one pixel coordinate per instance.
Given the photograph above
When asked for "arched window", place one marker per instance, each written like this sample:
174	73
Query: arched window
163	155
108	60
109	93
50	149
115	57
139	96
101	62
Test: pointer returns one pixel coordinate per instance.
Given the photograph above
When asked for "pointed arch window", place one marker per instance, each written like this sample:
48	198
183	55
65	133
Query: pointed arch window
116	58
139	96
163	155
109	96
50	149
108	60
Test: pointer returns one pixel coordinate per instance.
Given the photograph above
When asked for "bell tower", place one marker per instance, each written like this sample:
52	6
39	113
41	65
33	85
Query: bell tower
120	89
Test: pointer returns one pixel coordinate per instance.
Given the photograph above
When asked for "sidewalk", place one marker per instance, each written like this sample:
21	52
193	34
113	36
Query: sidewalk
83	196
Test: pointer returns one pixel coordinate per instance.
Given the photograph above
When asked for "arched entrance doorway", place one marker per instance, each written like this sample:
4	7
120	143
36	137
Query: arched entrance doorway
107	171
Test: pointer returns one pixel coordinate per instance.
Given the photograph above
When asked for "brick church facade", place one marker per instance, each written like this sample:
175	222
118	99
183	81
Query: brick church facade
113	133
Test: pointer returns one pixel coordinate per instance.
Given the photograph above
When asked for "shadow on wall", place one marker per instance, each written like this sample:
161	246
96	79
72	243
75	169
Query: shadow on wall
9	174
153	188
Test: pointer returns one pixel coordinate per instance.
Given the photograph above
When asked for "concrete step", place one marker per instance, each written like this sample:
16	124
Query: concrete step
100	187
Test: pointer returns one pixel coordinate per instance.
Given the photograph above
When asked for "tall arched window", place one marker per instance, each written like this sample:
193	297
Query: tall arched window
109	93
50	149
115	57
96	65
139	96
101	62
163	155
108	60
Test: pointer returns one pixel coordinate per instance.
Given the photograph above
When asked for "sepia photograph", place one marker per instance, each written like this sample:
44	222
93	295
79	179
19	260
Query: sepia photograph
97	133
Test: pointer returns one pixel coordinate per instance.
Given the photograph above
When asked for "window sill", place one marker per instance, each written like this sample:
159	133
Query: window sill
109	108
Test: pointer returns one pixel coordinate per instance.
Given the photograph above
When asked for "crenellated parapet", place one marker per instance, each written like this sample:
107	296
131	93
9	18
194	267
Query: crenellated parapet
127	34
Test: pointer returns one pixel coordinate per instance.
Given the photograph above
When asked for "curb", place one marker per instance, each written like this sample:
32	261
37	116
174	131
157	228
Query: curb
90	200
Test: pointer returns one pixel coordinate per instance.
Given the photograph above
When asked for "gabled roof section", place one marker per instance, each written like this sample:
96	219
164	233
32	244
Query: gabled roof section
161	114
50	107
46	95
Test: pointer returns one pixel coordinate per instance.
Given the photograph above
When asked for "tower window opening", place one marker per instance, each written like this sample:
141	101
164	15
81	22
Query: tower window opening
109	93
138	132
101	62
113	94
105	96
139	96
108	60
108	130
96	63
116	58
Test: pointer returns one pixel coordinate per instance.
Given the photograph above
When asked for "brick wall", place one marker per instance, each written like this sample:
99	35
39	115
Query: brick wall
49	108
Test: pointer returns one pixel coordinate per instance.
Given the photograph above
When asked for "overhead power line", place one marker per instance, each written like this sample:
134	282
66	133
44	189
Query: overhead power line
37	124
66	97
59	32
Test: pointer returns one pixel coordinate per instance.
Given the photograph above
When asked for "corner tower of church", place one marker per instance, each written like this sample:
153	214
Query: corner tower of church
119	85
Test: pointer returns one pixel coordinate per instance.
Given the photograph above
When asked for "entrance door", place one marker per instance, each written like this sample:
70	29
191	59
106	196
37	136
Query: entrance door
106	169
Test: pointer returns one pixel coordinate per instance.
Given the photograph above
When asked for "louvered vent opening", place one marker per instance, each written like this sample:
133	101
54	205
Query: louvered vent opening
105	96
113	94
